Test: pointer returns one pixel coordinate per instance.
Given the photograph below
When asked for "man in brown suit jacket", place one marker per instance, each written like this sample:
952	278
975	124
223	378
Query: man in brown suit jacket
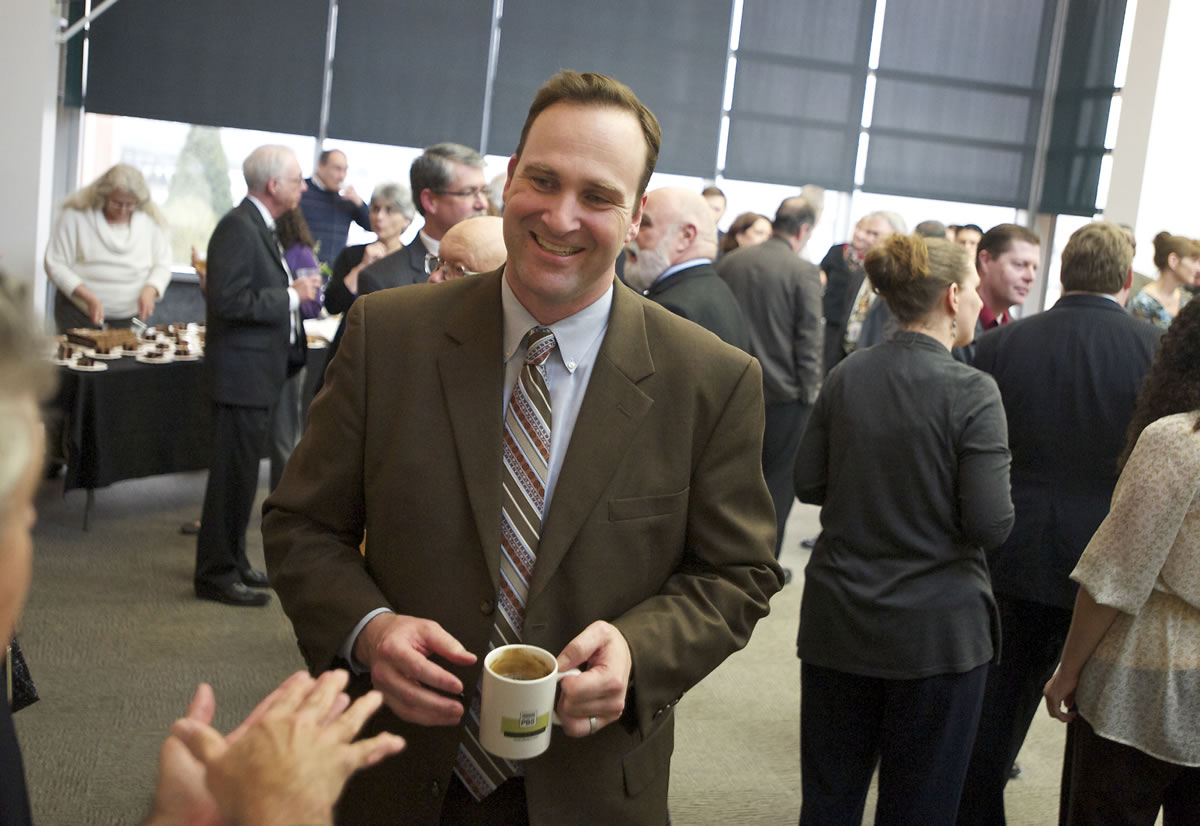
655	555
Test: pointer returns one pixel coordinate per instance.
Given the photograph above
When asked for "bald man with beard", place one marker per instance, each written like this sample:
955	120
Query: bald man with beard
470	247
670	262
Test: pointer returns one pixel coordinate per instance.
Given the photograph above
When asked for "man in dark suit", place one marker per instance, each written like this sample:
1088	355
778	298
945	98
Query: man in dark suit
1069	378
780	296
653	525
254	343
670	263
447	186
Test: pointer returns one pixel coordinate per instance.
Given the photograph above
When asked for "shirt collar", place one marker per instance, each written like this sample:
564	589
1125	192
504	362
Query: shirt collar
266	213
316	182
988	319
573	335
431	245
683	265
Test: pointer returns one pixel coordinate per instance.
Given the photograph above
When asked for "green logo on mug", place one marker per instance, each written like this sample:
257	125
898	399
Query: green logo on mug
527	725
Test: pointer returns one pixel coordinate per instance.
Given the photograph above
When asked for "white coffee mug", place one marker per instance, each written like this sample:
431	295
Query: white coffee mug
515	714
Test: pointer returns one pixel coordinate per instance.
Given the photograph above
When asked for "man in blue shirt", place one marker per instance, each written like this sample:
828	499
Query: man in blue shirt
328	208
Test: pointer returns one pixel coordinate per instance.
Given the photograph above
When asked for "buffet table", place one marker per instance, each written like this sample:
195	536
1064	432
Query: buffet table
133	420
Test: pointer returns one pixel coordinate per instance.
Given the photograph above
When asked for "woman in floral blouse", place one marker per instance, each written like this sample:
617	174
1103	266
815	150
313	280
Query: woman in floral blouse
1129	680
1178	262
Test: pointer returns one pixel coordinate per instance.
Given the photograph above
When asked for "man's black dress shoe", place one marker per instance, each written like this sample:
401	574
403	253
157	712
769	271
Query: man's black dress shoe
254	579
235	593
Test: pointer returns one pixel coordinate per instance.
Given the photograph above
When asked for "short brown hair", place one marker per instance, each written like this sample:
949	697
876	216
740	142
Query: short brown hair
1097	259
594	89
997	240
911	272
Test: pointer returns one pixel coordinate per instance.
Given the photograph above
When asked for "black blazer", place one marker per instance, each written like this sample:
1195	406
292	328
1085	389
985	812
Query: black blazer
1069	378
247	350
905	452
401	268
698	294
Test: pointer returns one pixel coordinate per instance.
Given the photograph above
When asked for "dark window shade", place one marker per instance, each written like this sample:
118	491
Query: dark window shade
798	92
1081	106
958	99
410	74
217	62
671	53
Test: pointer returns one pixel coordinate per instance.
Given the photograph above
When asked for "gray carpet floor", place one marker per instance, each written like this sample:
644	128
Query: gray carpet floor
117	643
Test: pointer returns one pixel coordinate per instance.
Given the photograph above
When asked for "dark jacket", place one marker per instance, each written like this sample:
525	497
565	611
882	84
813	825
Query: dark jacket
1069	378
699	295
328	216
906	453
780	296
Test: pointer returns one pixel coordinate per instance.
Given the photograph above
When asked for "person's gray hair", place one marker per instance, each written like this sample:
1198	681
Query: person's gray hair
931	229
25	378
264	163
434	170
897	223
397	195
119	178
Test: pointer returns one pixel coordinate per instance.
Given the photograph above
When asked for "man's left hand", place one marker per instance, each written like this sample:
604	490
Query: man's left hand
599	692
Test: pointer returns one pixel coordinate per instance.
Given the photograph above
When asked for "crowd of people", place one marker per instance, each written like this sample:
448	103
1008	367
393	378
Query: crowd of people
627	510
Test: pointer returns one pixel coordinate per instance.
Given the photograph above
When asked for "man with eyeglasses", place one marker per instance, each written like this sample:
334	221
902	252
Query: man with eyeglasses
447	187
470	247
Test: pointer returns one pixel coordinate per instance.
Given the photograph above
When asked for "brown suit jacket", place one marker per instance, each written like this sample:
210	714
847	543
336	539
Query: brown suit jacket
660	523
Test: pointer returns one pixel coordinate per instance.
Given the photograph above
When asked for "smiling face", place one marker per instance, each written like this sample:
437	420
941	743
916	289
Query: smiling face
1006	279
869	232
570	204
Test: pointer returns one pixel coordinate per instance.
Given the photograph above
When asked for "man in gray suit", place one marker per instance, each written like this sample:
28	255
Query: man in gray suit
780	295
447	187
1069	378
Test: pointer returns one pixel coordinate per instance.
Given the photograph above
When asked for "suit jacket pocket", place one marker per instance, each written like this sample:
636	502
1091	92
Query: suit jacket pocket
642	507
649	759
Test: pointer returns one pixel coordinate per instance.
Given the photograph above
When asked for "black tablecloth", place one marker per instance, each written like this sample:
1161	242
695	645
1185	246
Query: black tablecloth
134	420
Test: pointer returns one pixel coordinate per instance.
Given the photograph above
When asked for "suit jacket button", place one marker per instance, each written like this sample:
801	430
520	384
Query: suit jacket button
435	788
487	607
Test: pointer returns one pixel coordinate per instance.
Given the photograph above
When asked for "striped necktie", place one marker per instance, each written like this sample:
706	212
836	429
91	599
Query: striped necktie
526	468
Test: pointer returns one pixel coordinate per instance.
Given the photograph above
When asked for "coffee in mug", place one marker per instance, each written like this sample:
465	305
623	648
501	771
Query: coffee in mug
517	705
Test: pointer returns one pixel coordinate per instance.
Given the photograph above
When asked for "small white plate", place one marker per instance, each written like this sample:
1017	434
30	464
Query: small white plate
189	357
166	359
87	368
105	356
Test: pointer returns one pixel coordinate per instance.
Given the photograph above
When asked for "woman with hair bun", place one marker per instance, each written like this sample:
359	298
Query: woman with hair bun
906	452
1178	262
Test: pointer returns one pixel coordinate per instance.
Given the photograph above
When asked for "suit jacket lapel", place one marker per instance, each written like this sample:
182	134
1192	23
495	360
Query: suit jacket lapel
268	238
613	409
471	368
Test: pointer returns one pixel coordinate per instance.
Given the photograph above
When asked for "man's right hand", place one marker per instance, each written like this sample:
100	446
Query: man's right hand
397	649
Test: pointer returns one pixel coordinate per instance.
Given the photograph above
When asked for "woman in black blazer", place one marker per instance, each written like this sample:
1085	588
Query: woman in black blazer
906	451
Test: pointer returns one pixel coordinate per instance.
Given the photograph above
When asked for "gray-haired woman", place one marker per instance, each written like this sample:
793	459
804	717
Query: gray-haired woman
391	213
109	255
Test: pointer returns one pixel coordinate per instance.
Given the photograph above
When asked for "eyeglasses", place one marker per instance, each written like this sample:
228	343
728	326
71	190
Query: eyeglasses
474	192
128	206
433	263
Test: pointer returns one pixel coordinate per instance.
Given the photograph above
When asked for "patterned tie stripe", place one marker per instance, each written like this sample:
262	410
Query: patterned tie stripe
526	453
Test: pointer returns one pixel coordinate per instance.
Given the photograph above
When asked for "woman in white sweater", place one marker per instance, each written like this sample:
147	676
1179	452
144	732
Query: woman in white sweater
109	255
